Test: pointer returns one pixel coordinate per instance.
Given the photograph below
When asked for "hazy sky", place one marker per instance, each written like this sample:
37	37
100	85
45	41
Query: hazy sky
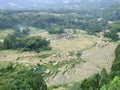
46	3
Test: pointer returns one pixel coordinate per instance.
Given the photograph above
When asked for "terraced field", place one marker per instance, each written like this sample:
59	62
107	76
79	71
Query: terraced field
73	57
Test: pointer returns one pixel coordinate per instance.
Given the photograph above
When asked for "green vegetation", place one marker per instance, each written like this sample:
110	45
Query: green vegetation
112	32
56	30
19	77
54	22
117	51
19	31
114	84
57	20
30	43
115	27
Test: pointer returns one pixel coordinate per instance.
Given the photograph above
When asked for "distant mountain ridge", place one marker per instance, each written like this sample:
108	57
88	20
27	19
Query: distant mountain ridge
38	4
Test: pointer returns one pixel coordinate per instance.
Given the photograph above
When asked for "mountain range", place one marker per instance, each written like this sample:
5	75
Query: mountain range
41	4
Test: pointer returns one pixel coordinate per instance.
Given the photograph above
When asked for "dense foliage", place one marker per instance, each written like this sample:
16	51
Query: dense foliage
91	20
111	34
29	43
18	77
113	31
78	19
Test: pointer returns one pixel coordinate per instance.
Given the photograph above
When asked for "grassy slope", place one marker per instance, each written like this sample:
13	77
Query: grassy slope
66	67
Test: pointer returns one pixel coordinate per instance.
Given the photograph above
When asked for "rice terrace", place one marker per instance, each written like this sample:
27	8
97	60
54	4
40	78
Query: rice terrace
59	45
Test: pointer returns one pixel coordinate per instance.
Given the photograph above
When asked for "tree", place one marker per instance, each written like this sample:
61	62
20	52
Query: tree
115	84
112	34
103	77
36	43
91	83
10	42
1	46
103	73
21	78
36	80
30	43
117	51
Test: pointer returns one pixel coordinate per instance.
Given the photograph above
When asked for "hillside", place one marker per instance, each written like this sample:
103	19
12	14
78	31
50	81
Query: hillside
59	45
67	66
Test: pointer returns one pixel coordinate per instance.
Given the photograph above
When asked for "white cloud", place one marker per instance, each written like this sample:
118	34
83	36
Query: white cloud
12	4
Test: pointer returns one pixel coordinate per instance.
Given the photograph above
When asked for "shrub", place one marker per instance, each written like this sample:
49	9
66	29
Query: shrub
91	83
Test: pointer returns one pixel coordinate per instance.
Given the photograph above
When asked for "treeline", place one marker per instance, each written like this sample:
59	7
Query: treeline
19	77
103	80
26	44
84	20
71	19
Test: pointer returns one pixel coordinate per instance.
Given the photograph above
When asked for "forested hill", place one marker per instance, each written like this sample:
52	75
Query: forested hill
38	4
